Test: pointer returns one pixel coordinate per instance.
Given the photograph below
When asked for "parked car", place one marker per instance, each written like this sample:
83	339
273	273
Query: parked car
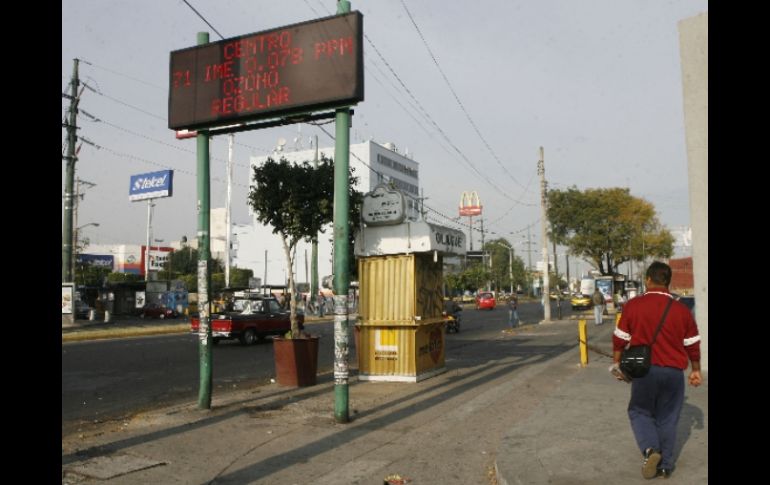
154	310
486	300
581	302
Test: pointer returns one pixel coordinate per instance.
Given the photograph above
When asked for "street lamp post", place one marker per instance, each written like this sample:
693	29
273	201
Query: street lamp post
510	261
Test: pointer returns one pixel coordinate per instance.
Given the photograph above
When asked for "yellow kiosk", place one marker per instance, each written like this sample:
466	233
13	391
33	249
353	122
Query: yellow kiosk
400	329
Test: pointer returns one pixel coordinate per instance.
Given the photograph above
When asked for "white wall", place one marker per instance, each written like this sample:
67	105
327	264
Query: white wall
693	41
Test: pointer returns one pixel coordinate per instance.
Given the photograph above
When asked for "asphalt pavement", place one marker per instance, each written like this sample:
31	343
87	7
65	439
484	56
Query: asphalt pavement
516	417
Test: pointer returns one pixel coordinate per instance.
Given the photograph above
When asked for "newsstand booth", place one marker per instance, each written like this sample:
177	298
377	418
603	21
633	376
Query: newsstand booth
400	330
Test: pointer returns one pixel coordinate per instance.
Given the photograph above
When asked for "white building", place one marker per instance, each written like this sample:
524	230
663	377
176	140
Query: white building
255	247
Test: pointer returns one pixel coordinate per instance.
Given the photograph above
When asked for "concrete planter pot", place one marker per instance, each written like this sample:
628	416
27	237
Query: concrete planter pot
296	361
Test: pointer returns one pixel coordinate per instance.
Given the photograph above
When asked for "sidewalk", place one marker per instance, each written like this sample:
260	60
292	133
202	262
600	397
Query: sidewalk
513	417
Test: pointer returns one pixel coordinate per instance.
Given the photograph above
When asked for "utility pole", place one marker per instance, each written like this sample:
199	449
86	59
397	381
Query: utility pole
314	251
71	158
510	266
422	204
228	221
204	257
529	261
75	205
566	263
341	246
470	231
544	235
264	283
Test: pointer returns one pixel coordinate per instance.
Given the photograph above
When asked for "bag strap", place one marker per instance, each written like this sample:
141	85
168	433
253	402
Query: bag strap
662	319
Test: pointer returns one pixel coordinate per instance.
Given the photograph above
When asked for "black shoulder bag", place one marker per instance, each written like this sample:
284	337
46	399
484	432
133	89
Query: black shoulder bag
635	361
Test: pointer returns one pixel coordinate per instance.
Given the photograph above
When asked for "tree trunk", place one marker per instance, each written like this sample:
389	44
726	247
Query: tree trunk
287	249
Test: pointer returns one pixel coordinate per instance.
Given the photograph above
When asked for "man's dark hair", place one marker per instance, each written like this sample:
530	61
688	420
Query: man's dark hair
659	273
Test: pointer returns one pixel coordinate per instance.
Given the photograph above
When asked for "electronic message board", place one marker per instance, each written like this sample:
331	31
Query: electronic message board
294	69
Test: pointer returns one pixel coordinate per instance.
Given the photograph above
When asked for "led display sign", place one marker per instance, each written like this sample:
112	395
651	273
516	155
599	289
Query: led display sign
295	69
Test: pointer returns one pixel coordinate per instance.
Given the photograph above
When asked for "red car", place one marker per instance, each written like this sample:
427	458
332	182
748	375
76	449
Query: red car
486	300
154	310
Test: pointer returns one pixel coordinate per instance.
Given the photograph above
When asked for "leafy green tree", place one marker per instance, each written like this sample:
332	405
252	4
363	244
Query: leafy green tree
500	272
183	261
124	278
297	201
239	277
90	275
471	278
607	226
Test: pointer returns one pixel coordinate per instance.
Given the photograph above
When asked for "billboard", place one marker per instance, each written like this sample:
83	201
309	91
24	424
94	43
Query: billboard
100	260
470	204
294	69
151	185
160	256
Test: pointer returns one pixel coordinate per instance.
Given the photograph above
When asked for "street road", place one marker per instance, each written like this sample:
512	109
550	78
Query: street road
106	380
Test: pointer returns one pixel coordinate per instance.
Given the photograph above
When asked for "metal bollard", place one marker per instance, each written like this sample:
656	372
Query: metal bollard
91	315
107	316
583	338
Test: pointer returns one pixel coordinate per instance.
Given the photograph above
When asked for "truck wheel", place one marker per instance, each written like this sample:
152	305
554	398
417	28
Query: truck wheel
249	337
215	340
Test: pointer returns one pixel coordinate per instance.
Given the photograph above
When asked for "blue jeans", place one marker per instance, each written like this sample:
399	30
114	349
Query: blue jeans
598	310
513	318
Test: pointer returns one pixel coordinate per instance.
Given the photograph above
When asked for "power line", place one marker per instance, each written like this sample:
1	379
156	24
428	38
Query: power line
457	98
154	163
124	103
204	19
123	75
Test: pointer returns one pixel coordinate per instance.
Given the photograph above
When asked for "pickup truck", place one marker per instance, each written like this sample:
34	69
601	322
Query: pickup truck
251	319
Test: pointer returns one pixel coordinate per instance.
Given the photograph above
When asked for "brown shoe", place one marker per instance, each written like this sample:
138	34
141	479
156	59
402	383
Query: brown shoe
650	463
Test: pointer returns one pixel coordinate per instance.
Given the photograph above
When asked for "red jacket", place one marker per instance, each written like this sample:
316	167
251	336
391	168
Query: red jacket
678	339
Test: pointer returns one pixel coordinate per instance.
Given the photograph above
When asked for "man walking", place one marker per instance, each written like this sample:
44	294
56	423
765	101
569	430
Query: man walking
598	300
657	398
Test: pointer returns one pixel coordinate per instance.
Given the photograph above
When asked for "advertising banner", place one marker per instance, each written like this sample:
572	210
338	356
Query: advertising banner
151	185
100	260
67	298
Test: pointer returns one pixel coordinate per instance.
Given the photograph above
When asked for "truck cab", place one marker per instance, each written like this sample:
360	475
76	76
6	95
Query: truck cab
250	318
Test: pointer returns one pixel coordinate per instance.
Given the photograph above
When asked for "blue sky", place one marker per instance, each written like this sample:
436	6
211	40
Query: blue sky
596	83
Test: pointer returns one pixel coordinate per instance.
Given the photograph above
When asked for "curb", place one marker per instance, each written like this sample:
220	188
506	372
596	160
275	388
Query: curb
124	332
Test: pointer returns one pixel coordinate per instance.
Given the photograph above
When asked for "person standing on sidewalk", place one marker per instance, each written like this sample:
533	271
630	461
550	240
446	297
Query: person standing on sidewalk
598	300
513	313
657	398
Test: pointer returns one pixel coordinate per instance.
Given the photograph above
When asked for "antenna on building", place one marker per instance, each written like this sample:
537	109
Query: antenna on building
279	148
298	138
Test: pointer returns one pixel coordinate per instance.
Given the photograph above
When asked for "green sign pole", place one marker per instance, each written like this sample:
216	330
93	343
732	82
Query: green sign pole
204	254
341	243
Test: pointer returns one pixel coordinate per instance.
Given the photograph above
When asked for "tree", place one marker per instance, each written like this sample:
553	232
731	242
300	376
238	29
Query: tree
607	226
297	201
239	277
500	271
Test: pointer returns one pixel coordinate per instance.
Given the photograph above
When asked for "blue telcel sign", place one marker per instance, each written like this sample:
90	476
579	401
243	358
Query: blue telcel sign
151	185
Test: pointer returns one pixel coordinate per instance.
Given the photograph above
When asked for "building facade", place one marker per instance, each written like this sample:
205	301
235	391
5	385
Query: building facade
255	247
